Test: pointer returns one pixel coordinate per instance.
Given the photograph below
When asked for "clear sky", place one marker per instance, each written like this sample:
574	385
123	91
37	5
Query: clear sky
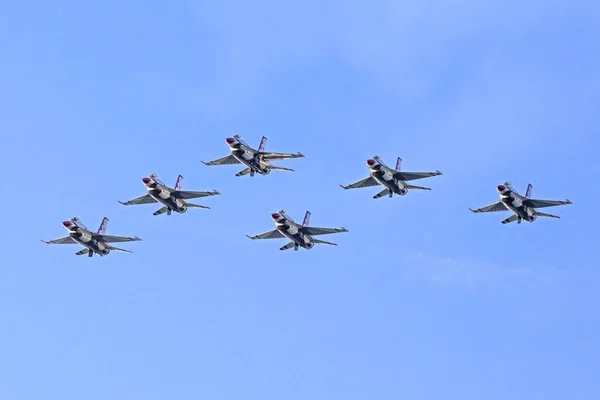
421	300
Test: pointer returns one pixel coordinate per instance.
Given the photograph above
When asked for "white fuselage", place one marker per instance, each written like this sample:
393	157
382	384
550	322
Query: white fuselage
514	202
291	230
249	158
86	239
385	177
163	195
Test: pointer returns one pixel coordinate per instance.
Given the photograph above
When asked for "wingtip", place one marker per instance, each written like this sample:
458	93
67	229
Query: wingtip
249	237
216	192
344	187
569	201
300	154
44	241
122	202
472	210
344	229
204	162
439	172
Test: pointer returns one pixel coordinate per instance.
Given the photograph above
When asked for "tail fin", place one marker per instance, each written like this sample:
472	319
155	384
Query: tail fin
103	225
178	183
306	219
398	164
528	192
263	143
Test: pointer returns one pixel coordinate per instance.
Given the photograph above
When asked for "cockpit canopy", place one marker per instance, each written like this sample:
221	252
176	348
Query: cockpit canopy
78	222
156	179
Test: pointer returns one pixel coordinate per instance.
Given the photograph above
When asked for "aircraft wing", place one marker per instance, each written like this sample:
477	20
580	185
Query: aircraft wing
223	161
366	182
115	239
499	206
310	230
411	176
545	203
62	240
280	156
182	194
145	199
274	234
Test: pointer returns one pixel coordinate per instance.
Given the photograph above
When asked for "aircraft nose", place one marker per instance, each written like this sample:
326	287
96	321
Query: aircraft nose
67	224
370	162
230	140
501	188
146	180
275	216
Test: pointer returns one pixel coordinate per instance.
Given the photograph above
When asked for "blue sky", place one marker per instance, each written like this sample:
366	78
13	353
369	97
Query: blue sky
422	299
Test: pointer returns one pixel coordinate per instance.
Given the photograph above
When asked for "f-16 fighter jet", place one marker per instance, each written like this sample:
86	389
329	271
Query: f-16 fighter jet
523	207
93	242
300	235
172	199
256	161
393	180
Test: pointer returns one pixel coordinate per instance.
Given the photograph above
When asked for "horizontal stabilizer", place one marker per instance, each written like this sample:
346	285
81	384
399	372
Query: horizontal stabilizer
163	210
280	168
384	192
512	218
119	250
82	252
540	214
243	172
288	246
197	206
324	242
413	187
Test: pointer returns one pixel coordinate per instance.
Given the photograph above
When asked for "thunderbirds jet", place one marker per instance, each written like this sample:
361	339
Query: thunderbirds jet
393	180
93	242
256	161
300	235
523	207
171	199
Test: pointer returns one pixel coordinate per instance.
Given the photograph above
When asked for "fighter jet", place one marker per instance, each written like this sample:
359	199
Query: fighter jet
172	199
523	207
256	161
300	235
393	180
93	242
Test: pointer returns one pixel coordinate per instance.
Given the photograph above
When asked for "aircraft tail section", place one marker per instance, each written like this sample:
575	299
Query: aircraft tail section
263	143
528	192
290	245
103	225
278	168
306	219
510	219
163	210
324	242
398	164
243	172
179	182
540	214
197	206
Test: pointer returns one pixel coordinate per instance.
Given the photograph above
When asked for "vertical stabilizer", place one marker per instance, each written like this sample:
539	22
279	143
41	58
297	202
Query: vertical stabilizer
528	192
178	183
262	145
306	219
398	164
102	229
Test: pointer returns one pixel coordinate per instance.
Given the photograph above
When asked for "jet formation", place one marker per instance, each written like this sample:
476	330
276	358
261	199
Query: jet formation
259	162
